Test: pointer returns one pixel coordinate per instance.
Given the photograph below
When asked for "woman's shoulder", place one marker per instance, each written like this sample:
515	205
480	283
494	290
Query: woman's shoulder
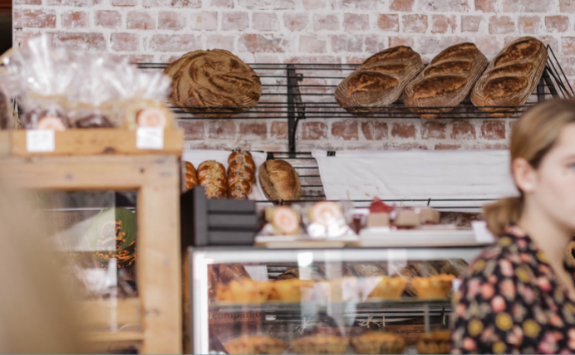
504	259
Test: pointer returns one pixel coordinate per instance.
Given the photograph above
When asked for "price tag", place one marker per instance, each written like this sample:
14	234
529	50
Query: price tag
150	138
482	234
40	140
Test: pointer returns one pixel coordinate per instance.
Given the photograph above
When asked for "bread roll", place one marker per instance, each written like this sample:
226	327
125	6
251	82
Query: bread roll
231	272
279	180
368	269
212	79
511	77
241	174
191	176
212	176
291	273
379	81
446	81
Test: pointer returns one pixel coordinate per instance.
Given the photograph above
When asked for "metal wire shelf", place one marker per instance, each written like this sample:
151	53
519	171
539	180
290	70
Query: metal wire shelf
306	91
312	188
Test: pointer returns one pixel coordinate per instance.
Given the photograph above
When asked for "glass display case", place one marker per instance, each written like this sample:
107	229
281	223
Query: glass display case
330	301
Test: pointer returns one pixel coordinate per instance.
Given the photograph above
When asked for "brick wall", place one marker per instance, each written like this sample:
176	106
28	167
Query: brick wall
335	31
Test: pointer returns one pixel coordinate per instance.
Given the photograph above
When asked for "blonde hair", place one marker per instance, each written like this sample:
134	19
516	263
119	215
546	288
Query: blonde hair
533	136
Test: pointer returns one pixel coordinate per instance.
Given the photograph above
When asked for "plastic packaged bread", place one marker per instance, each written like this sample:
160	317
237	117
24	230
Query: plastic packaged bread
241	174
212	176
511	77
379	81
446	81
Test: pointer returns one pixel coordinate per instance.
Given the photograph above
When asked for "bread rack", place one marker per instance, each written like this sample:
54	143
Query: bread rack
312	188
296	91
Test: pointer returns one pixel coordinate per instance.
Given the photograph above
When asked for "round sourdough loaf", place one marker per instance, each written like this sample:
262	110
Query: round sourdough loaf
213	84
280	181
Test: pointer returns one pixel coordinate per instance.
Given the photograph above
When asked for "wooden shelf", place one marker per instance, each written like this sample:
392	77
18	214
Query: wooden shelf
105	337
96	313
81	142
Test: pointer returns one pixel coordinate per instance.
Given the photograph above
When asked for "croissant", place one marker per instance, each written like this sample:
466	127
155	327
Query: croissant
212	176
191	176
241	174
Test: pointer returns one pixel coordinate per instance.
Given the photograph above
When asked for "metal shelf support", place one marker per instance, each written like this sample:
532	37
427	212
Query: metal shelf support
296	108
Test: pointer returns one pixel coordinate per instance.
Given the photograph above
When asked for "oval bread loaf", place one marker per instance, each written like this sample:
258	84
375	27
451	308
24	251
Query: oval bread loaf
191	176
213	79
446	81
212	176
511	77
241	174
279	180
379	81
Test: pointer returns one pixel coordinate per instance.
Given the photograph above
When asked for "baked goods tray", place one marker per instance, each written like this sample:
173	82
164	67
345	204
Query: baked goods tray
405	304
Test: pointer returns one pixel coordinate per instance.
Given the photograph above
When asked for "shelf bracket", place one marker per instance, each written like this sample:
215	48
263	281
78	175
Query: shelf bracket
296	108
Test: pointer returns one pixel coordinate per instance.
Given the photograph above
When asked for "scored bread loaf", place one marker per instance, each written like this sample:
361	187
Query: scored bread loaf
279	180
212	176
241	174
213	79
191	176
511	77
379	81
446	81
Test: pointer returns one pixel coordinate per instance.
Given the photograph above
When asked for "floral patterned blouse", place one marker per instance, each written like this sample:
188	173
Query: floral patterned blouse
511	301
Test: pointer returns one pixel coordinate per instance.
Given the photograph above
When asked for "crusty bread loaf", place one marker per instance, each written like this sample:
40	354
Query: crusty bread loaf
379	81
213	79
212	176
279	180
241	174
446	81
511	77
191	176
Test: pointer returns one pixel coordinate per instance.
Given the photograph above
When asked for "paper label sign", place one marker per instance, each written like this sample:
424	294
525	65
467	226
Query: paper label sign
482	234
40	140
150	138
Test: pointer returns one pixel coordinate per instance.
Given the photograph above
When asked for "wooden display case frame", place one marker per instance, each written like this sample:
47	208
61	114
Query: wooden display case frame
157	179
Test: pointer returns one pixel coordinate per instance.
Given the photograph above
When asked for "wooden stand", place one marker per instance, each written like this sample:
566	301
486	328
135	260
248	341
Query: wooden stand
156	178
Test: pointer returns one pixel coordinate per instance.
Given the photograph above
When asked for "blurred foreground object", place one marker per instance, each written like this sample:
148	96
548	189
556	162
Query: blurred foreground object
36	314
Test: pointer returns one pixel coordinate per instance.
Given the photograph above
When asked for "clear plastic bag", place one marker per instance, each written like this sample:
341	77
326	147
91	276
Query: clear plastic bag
328	219
143	100
60	89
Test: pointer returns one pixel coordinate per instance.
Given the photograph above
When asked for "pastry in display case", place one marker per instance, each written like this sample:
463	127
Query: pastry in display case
324	301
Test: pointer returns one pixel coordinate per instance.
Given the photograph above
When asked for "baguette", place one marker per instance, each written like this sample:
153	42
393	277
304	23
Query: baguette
446	81
379	81
511	77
